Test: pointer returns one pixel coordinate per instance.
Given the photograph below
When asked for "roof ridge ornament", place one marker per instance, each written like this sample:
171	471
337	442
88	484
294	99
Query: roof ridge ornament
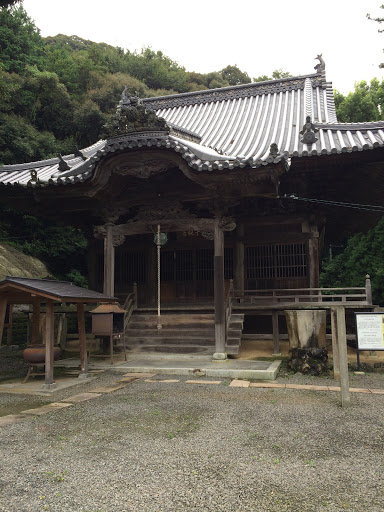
274	150
308	132
320	67
132	116
63	166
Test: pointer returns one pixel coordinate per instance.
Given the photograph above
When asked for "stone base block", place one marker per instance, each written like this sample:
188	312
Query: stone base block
309	361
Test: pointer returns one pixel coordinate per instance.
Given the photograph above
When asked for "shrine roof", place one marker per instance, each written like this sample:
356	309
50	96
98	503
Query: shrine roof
59	291
248	125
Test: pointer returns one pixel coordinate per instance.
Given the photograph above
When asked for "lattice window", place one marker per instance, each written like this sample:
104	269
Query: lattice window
130	267
277	261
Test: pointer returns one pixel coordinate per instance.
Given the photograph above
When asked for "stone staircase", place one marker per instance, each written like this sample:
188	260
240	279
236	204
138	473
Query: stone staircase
181	333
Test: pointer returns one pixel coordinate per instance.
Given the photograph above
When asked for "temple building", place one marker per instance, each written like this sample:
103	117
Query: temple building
219	174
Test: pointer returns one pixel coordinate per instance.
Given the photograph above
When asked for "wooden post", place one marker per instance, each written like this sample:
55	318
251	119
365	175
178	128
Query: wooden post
49	334
3	310
368	289
343	359
9	325
238	256
82	340
109	262
275	330
313	253
220	353
335	345
35	334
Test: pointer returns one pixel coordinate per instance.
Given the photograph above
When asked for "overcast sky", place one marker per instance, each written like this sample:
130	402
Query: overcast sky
257	36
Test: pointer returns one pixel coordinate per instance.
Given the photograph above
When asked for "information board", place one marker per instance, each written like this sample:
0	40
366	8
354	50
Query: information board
370	331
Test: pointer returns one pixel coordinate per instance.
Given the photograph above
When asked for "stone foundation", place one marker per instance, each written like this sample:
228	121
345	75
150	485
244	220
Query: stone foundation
309	361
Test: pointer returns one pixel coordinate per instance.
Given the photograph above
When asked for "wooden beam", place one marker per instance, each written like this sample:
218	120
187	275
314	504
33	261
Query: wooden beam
49	334
82	340
220	353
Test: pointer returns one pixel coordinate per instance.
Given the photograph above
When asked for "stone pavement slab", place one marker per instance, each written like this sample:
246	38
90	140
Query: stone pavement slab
377	391
236	383
106	389
45	409
162	380
203	381
139	375
11	419
359	390
266	385
81	397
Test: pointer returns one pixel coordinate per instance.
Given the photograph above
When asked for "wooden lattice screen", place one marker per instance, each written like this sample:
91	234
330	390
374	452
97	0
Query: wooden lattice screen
276	265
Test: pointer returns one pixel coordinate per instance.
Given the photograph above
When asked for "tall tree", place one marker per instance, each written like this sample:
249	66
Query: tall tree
20	41
363	104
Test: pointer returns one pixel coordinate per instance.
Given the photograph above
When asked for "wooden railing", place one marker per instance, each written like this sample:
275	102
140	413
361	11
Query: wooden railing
355	295
129	305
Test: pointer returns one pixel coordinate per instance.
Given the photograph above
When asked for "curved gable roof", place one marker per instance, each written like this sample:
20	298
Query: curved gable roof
241	126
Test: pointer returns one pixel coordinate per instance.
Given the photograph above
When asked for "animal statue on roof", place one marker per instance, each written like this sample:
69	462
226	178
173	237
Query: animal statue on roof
320	67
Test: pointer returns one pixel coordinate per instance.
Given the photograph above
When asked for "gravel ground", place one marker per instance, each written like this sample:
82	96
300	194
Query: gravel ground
152	447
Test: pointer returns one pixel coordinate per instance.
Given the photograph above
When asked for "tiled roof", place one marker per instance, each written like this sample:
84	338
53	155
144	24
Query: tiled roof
232	127
60	291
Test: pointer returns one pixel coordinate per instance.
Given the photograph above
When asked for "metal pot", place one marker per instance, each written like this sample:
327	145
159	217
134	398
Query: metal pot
35	354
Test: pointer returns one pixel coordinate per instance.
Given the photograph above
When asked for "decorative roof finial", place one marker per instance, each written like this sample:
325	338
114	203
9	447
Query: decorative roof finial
63	166
132	116
308	132
320	67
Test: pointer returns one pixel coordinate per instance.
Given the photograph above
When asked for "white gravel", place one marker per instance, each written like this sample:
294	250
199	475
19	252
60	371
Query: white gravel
157	447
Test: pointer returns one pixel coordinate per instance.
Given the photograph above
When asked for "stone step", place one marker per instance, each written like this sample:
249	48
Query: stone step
139	340
174	317
153	331
133	324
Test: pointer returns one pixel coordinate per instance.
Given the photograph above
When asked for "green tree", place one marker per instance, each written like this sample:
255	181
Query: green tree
20	41
234	76
363	254
276	75
363	104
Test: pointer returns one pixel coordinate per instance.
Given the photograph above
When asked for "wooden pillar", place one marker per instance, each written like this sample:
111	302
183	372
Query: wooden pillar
49	334
35	331
343	359
335	345
238	257
109	262
82	340
9	325
220	353
3	310
313	258
275	330
368	289
151	284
